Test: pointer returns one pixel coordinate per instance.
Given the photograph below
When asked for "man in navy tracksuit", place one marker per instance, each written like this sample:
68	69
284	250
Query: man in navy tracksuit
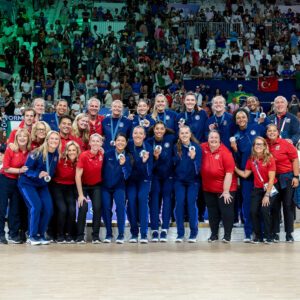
287	123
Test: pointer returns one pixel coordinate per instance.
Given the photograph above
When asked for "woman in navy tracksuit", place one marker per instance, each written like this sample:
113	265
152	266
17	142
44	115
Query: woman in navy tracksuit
139	184
241	144
162	143
33	185
116	169
142	118
187	160
160	113
192	117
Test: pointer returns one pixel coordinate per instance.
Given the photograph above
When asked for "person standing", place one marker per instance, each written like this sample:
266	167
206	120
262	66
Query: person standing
262	165
139	184
63	191
116	170
187	161
33	184
88	180
287	173
13	166
219	185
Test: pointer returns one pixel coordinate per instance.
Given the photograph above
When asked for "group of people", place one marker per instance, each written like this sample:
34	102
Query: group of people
149	163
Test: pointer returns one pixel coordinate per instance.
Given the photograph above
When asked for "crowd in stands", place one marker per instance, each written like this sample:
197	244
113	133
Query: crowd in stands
154	53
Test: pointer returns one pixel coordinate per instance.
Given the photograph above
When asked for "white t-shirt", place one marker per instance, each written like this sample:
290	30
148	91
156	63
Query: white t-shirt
26	86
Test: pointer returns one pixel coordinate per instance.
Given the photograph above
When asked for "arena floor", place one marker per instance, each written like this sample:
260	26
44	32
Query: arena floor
153	271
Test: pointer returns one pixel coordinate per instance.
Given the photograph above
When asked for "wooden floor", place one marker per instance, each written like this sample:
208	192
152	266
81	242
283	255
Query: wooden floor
153	271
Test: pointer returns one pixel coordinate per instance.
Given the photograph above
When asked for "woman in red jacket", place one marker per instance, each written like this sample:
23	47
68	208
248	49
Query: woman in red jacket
287	173
13	165
88	181
219	185
262	164
63	191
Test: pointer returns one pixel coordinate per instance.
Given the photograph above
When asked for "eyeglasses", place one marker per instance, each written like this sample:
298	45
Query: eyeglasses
41	129
259	144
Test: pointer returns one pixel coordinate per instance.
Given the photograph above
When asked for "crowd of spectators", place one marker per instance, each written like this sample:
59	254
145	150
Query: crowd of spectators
158	48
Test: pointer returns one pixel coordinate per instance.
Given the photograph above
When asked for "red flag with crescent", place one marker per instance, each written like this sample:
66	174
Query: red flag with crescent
267	84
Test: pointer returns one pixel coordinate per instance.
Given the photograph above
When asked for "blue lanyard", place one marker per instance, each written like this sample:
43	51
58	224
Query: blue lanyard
135	150
186	116
158	117
117	154
56	119
47	163
112	130
222	119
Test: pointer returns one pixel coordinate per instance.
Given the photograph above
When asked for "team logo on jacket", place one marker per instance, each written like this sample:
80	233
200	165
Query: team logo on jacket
225	123
167	117
121	124
288	120
55	158
217	156
167	145
253	132
277	147
197	118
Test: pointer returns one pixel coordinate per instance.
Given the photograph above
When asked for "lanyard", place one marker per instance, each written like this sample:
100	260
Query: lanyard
282	126
56	119
222	119
117	154
186	116
112	130
158	117
258	173
135	150
47	163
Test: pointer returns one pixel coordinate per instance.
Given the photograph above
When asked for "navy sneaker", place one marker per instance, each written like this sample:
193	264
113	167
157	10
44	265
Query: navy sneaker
144	239
276	238
34	241
133	239
60	240
154	238
120	239
163	236
15	240
44	241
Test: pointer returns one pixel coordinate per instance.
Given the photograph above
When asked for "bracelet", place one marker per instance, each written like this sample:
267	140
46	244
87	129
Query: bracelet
296	176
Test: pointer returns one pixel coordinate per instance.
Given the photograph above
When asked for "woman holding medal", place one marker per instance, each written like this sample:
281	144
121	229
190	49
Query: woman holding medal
241	143
114	124
13	166
63	191
33	184
88	180
142	118
81	130
287	173
187	160
221	121
262	164
116	170
139	184
162	143
161	113
192	117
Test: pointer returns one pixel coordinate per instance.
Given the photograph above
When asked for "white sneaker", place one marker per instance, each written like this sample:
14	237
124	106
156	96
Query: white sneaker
179	240
133	240
247	240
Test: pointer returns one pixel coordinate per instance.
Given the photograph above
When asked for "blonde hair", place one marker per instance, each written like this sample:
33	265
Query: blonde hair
68	145
155	112
179	143
76	131
44	148
16	144
99	136
34	129
266	153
